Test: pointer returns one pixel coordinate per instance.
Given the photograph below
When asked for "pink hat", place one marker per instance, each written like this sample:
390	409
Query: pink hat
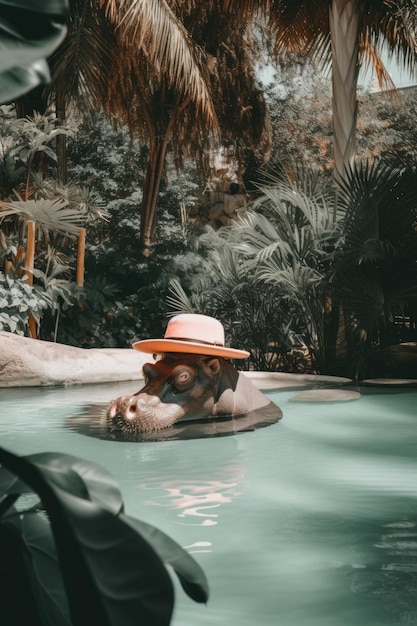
191	334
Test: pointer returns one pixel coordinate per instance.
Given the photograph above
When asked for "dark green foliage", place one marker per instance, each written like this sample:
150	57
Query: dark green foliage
107	159
73	553
18	301
376	267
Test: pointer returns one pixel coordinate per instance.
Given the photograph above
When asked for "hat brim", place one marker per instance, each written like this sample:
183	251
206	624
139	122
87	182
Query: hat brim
160	346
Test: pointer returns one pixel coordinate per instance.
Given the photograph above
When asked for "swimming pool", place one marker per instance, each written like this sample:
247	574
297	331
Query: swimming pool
310	521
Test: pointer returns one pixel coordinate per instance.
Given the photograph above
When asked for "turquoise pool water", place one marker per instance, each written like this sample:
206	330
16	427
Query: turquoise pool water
311	521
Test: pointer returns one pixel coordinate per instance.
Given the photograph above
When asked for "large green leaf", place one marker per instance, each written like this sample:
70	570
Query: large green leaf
46	573
190	574
30	30
81	478
18	603
111	574
18	80
77	476
11	484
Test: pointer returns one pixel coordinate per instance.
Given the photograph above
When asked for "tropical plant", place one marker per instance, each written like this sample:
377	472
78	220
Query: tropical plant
216	279
63	295
27	149
288	234
50	290
102	318
18	301
72	556
53	214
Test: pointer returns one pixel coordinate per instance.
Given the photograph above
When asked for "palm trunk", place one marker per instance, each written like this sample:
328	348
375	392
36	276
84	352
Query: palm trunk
159	146
150	195
344	31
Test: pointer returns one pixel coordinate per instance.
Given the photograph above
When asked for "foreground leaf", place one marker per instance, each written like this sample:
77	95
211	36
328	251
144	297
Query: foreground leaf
30	30
190	574
111	574
81	478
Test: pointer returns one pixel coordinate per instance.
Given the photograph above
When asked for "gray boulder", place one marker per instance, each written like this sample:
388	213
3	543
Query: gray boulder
26	362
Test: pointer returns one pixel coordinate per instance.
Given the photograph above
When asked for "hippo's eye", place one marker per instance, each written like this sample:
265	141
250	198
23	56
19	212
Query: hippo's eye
182	378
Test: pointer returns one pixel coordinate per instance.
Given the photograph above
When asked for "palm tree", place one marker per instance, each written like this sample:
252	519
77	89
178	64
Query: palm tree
138	63
289	232
171	116
119	52
175	73
111	52
346	33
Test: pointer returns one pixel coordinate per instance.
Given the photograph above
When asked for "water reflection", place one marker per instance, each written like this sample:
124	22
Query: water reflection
198	501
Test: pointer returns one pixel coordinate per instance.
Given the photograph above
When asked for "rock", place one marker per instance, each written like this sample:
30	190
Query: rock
387	382
325	395
284	380
26	362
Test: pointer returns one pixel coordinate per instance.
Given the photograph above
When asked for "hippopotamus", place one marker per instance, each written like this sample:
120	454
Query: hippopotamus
183	387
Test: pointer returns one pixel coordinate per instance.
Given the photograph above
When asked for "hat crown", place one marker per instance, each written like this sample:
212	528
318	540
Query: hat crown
197	328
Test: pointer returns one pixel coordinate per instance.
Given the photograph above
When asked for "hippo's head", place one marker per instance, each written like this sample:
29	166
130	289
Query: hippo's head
183	387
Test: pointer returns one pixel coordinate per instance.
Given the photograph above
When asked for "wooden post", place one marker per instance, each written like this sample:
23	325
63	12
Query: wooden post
30	260
30	250
80	257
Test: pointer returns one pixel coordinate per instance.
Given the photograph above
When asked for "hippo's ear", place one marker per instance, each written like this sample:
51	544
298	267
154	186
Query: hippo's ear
214	366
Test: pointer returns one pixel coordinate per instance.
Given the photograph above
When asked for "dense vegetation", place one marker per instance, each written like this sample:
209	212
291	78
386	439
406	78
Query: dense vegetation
310	278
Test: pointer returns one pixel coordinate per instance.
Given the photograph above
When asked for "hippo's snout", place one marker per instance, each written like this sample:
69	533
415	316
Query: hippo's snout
131	410
131	407
125	405
141	413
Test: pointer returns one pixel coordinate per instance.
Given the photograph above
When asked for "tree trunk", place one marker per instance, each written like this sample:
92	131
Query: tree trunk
150	195
344	20
159	146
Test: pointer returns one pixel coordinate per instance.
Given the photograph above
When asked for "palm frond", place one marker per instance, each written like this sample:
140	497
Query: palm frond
52	215
82	62
178	300
167	45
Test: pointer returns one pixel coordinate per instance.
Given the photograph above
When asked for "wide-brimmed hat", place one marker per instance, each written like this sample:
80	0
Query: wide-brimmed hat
192	334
